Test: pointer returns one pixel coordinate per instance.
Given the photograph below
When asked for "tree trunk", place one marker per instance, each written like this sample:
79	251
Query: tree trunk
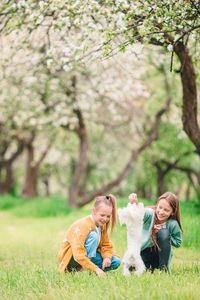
30	185
32	168
47	189
161	181
81	165
144	190
161	173
187	194
6	172
189	110
7	182
83	185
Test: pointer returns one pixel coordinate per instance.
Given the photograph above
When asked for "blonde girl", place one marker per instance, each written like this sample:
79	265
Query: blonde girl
87	244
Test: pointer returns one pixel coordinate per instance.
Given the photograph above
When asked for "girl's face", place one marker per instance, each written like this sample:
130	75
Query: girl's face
163	211
102	214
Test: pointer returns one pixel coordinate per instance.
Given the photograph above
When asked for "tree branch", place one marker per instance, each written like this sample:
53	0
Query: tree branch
135	153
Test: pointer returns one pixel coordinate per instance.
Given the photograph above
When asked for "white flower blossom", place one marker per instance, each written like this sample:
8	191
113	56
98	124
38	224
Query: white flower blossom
170	47
63	121
41	4
39	19
66	68
21	3
65	60
33	122
49	62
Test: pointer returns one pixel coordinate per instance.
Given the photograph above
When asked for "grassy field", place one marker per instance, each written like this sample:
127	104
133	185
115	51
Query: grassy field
30	237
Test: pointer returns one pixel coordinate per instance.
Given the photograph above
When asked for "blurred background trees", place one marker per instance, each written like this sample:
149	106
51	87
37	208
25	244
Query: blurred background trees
88	104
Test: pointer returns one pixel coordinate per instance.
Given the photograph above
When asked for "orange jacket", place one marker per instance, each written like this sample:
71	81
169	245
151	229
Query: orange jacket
74	241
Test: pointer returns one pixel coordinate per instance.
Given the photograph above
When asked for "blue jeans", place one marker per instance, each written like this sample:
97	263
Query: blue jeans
91	245
115	262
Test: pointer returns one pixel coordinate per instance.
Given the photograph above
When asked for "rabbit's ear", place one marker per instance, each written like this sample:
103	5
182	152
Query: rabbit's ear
122	214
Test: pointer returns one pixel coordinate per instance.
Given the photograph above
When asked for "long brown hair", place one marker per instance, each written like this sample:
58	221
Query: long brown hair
110	201
172	200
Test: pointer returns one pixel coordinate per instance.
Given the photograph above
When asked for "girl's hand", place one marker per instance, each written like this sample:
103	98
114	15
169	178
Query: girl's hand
133	198
157	227
106	263
99	272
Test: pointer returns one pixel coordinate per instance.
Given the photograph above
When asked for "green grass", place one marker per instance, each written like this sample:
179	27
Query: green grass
29	267
39	207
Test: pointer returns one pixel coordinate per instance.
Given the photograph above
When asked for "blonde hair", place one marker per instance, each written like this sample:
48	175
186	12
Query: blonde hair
109	201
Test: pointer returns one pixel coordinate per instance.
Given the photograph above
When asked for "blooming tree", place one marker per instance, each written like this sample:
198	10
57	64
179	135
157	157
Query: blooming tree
50	52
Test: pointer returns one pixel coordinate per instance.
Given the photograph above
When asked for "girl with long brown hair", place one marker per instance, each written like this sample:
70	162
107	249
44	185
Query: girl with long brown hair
87	244
161	229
